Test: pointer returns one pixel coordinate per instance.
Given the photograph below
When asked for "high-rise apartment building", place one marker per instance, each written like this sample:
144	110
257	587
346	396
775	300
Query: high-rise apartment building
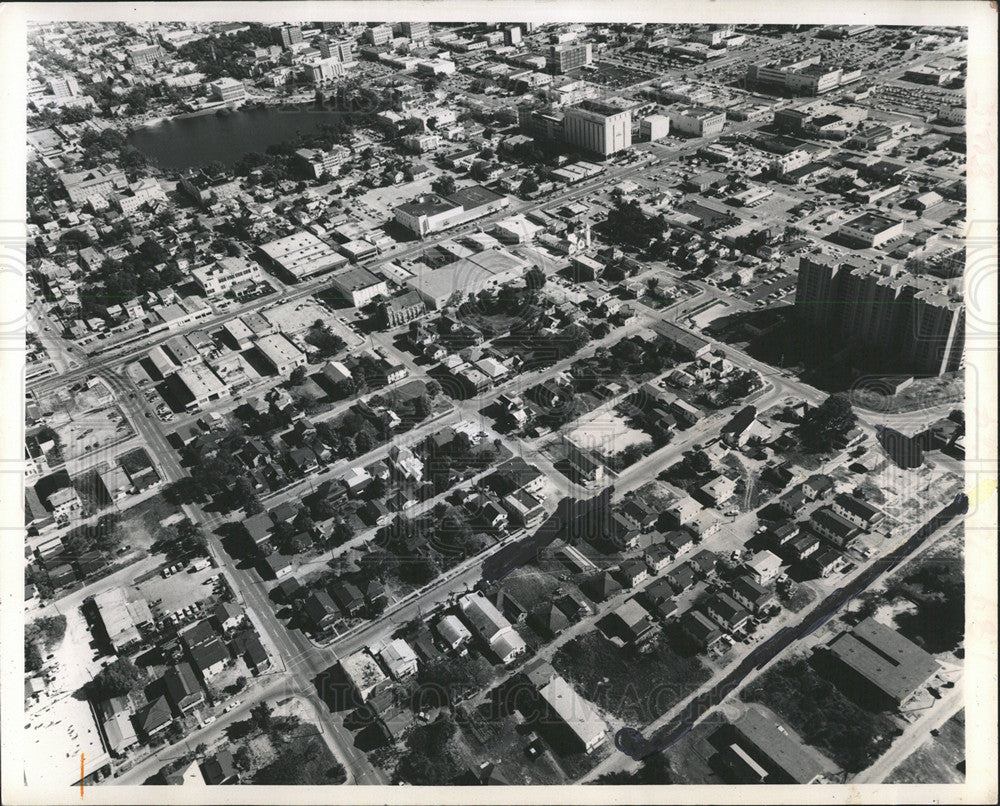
602	128
906	322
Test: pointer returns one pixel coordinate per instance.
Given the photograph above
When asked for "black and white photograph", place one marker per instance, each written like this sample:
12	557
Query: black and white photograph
600	407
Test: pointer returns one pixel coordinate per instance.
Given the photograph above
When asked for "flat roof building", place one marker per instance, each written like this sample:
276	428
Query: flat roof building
889	665
599	127
359	285
301	255
280	353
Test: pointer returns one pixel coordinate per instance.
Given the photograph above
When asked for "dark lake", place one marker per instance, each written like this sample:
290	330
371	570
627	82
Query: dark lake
194	140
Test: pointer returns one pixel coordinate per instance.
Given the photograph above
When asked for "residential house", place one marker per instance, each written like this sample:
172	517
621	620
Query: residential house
701	630
246	643
347	596
182	687
601	587
803	546
826	561
704	563
227	616
683	510
754	597
633	622
859	512
764	566
492	627
399	658
632	572
219	769
320	610
657	557
835	528
678	541
453	632
278	565
793	502
681	578
154	718
547	619
210	658
726	612
817	486
719	490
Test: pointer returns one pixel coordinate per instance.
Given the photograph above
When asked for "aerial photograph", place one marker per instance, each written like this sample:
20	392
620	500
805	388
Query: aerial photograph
458	404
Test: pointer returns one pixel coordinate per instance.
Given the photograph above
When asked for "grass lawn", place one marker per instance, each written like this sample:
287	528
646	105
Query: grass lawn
850	735
938	760
635	688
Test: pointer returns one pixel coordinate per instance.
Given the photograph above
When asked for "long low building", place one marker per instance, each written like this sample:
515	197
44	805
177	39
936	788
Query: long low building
301	255
882	661
468	276
432	213
575	712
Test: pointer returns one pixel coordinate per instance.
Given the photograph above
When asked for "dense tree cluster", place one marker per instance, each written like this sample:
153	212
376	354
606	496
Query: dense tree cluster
429	760
116	680
827	423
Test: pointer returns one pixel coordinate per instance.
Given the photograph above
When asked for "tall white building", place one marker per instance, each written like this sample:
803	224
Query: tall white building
598	127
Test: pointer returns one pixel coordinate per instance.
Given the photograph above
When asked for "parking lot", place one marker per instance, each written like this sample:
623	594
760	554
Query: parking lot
182	589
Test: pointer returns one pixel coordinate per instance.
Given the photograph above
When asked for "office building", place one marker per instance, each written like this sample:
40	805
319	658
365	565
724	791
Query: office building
228	89
654	127
568	56
601	128
288	35
221	276
378	35
319	71
415	31
280	353
84	185
697	121
806	77
871	230
314	162
341	49
359	286
144	55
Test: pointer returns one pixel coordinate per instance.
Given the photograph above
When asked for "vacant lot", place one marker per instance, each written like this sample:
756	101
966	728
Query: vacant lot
635	688
822	715
606	432
939	760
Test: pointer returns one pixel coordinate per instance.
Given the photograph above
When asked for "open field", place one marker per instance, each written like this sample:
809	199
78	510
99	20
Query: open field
939	760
